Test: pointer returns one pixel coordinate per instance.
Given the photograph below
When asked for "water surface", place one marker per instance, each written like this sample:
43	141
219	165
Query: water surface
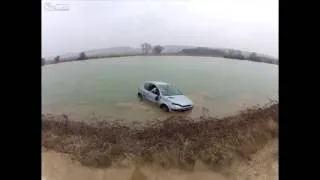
108	87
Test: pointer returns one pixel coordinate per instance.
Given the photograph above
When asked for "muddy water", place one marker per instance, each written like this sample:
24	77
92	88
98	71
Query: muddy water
107	88
141	111
263	165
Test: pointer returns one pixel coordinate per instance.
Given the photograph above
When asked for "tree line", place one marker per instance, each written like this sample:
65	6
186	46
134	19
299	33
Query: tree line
231	54
147	48
57	59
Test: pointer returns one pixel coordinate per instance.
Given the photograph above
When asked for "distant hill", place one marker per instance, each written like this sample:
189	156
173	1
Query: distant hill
113	51
175	48
204	51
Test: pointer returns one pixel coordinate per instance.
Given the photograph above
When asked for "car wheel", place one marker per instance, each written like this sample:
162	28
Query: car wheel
164	108
140	97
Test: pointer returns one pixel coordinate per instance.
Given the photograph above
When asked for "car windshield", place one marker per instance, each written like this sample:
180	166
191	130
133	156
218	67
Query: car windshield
169	90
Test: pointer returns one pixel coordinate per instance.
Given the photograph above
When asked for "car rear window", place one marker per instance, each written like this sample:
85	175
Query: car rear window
147	86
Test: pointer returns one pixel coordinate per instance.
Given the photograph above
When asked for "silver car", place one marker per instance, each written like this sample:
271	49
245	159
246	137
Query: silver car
165	95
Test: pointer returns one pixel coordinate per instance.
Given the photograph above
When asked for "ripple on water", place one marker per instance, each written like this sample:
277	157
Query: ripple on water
143	111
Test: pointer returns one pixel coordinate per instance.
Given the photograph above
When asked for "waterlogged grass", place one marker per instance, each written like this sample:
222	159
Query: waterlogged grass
175	142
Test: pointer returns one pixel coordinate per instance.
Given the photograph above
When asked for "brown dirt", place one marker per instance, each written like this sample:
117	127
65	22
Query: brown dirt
263	165
176	142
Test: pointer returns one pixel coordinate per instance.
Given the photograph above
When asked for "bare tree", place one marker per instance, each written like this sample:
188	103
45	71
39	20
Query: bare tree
82	56
157	49
146	48
57	59
254	57
143	48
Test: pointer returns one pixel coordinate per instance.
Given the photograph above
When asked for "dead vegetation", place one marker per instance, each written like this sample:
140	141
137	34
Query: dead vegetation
175	142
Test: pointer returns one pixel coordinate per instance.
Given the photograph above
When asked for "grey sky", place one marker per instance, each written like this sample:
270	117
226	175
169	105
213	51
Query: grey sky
250	25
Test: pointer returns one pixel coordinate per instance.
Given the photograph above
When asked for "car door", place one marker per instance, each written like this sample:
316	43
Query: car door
145	90
150	95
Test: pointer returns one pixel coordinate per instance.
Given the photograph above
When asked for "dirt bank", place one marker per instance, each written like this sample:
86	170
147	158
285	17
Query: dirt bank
263	165
176	142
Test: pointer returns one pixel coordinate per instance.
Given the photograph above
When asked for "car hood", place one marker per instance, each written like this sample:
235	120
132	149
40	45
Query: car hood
179	99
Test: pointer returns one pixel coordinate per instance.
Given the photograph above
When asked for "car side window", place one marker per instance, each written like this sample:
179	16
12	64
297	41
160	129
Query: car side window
157	92
152	87
154	90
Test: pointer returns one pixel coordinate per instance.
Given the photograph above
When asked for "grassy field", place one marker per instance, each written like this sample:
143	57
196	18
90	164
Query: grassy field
177	142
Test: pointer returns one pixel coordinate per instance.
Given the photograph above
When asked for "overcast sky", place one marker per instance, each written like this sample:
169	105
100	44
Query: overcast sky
250	25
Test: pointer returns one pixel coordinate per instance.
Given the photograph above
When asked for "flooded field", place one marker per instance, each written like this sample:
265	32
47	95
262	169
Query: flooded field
107	88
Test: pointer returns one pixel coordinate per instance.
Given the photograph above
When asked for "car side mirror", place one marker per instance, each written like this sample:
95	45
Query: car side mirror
157	98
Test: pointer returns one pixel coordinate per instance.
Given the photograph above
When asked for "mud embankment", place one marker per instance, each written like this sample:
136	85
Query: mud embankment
177	142
263	165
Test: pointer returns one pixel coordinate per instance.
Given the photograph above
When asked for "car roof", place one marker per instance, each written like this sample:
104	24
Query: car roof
157	82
